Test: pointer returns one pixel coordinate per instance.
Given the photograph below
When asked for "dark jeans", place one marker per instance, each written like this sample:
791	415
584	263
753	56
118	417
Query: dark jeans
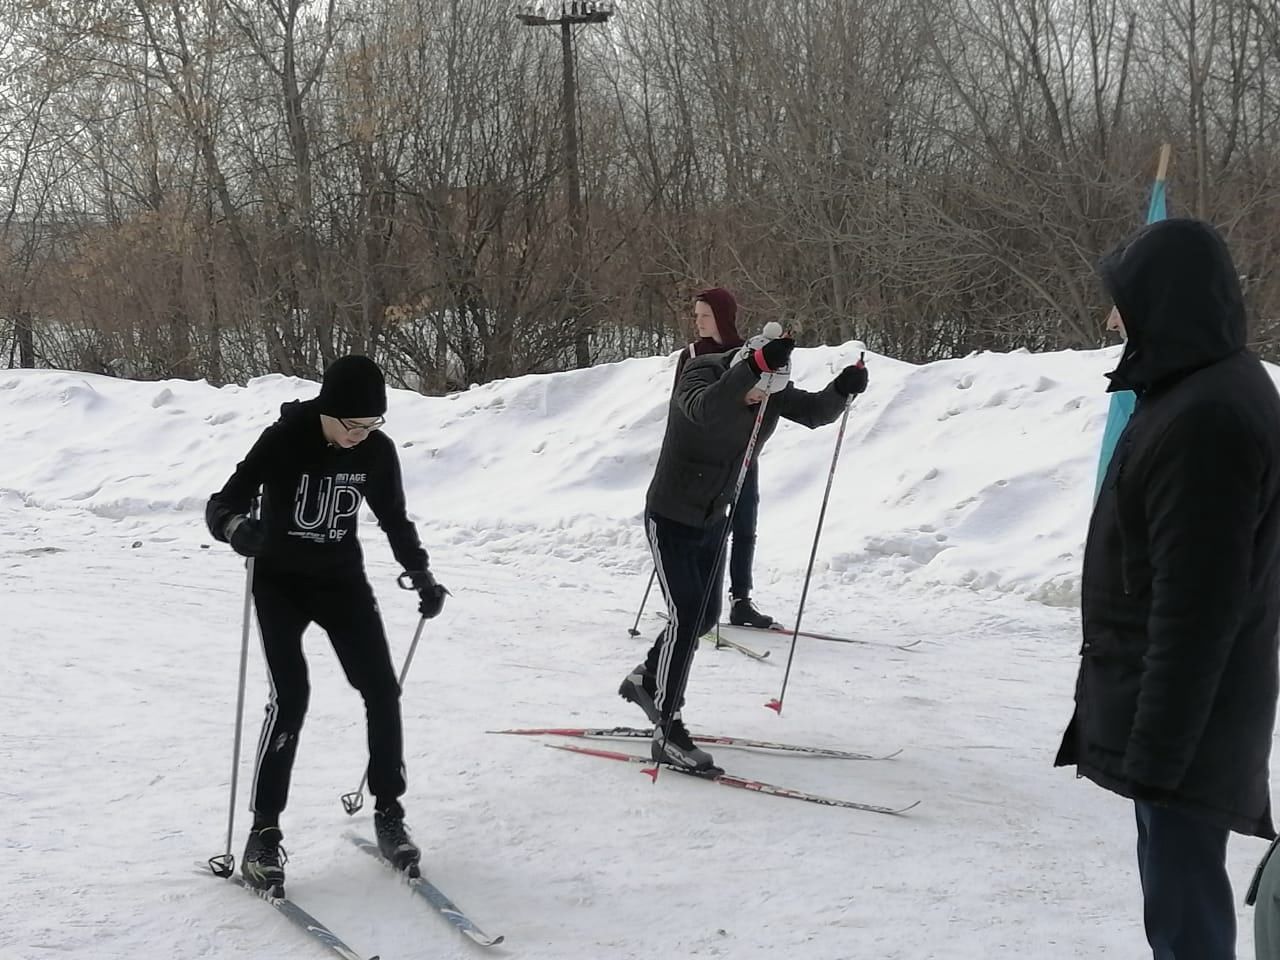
1187	906
347	612
685	559
744	535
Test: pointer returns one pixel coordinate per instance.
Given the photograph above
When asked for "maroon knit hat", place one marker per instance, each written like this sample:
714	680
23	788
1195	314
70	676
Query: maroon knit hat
725	309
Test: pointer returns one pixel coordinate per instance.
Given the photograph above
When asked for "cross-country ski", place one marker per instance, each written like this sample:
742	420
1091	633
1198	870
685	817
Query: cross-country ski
302	920
719	638
829	637
741	783
718	641
429	892
744	743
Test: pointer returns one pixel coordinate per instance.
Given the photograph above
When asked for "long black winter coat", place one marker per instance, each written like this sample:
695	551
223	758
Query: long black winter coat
1176	696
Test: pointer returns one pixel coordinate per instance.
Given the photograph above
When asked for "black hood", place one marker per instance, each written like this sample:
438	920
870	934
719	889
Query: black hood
1179	296
302	417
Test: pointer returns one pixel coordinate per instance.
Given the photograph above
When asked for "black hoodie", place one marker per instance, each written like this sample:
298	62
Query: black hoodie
1180	595
311	498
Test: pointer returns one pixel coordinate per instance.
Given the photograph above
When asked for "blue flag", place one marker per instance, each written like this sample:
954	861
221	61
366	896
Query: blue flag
1123	401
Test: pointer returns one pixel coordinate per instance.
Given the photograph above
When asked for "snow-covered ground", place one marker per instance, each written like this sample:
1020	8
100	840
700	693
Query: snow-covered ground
957	517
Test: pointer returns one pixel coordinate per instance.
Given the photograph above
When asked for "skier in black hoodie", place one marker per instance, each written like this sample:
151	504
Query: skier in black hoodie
315	466
1180	596
712	412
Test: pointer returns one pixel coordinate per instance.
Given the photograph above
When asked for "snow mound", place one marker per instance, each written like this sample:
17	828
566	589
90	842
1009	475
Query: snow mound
974	472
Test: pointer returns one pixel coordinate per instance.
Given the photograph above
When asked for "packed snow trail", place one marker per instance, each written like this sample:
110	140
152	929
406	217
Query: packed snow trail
120	630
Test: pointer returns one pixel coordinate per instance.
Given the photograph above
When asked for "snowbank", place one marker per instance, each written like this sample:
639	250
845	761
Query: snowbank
972	472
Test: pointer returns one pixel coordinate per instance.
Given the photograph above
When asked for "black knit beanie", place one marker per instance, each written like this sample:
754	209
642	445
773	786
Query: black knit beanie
353	387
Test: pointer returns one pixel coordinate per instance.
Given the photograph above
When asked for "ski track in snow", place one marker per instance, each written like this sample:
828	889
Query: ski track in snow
957	518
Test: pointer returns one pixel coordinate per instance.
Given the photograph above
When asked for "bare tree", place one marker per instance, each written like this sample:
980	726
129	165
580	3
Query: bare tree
224	188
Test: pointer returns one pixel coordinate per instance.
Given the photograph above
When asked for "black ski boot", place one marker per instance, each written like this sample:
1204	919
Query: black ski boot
262	865
743	613
638	688
677	749
394	843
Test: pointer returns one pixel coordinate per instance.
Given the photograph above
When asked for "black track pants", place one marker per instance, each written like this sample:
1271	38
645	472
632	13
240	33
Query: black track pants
685	558
346	610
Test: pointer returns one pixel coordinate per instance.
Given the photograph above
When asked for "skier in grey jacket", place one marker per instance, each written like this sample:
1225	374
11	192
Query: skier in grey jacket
712	413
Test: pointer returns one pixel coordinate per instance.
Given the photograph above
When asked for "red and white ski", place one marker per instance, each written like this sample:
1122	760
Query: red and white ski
744	743
812	635
742	783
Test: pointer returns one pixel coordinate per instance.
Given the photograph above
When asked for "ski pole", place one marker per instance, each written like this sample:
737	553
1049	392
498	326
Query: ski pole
224	864
352	802
713	582
776	704
635	627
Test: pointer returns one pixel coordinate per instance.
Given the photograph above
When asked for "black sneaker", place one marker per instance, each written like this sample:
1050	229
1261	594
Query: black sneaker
394	843
743	613
262	865
638	688
678	750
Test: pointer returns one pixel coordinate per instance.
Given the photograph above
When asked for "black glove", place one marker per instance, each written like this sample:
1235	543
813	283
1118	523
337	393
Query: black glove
246	535
851	380
775	354
431	594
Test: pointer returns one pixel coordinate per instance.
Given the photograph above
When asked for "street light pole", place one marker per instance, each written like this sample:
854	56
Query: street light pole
566	14
577	226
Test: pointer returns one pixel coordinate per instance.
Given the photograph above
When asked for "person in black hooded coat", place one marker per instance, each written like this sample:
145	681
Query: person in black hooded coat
1180	598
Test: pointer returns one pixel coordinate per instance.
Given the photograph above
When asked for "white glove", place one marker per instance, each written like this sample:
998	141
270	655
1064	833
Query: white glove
776	381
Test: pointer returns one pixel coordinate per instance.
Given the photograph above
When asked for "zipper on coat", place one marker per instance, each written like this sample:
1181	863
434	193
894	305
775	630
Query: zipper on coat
1125	583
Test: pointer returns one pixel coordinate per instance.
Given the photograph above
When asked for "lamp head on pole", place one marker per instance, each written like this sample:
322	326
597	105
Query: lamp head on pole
564	12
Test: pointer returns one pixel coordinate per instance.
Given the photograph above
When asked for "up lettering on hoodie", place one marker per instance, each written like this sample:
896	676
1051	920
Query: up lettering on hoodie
322	516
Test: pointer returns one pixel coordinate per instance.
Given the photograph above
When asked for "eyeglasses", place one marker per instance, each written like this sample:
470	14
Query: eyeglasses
351	427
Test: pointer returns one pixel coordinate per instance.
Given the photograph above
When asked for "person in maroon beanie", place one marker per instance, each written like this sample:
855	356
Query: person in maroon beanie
715	318
721	414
